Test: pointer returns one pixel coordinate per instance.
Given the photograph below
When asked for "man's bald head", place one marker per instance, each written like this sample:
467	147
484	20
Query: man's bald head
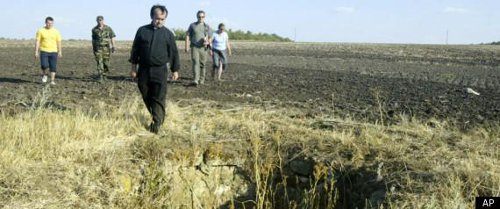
158	10
158	15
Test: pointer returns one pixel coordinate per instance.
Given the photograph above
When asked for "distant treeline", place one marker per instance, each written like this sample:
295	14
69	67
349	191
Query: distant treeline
492	43
180	34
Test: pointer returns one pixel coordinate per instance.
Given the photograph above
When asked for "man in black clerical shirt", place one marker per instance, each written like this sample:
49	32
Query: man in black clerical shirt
153	50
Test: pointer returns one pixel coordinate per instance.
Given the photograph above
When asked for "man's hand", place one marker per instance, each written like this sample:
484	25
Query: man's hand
211	53
113	49
37	55
175	76
59	55
133	72
186	49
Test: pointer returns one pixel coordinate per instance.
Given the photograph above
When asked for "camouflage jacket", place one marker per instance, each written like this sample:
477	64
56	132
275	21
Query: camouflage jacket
102	38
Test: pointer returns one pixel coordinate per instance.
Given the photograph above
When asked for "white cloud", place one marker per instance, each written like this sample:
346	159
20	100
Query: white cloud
345	10
456	10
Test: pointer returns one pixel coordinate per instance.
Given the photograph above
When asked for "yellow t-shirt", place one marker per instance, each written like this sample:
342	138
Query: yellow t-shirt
48	39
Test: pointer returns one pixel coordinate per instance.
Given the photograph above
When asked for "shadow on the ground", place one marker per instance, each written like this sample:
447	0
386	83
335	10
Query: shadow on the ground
352	188
119	78
74	78
14	80
359	188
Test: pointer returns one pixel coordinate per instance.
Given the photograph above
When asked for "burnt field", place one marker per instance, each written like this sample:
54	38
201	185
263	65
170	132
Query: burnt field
367	82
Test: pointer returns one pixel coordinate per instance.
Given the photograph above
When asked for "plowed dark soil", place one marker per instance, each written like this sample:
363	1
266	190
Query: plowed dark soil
364	82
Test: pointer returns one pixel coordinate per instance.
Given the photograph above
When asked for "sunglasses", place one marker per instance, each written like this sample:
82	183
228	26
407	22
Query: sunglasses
201	17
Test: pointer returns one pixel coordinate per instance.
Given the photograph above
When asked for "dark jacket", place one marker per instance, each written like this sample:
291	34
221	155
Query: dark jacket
155	47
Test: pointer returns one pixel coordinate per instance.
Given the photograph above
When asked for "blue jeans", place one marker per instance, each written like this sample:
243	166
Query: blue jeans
219	55
48	60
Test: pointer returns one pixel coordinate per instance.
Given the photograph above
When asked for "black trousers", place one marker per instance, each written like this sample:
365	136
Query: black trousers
152	82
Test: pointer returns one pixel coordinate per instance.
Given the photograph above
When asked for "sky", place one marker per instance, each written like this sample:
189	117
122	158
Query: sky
356	21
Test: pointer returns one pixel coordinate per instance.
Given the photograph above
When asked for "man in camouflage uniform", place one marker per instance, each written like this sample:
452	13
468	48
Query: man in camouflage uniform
103	44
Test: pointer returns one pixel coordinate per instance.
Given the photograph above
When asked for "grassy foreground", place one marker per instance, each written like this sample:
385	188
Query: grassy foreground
104	158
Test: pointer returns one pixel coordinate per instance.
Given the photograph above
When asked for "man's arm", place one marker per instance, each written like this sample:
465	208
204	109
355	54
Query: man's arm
94	40
228	45
134	55
174	59
59	48
59	45
133	71
186	44
113	44
37	48
211	45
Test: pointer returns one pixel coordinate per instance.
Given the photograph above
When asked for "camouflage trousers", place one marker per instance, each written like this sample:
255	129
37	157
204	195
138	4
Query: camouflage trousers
102	55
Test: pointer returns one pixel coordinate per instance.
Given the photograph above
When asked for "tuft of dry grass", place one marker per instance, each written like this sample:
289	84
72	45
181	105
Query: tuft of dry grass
208	156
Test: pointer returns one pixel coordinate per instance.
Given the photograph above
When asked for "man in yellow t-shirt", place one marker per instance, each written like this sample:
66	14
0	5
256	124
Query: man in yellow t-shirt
48	49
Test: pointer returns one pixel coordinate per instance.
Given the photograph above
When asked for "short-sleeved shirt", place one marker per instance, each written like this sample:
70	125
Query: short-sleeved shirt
102	37
197	33
48	39
220	40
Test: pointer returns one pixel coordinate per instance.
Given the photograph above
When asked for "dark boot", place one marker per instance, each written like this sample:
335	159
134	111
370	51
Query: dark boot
154	128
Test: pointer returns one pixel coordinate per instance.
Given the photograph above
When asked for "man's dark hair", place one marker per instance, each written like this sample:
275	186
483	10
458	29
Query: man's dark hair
162	8
200	12
221	25
49	19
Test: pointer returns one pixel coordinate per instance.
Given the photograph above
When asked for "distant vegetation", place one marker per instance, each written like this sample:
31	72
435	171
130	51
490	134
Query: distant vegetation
180	34
492	43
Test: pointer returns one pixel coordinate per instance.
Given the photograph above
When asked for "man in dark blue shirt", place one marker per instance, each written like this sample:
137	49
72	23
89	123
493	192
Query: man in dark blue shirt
154	49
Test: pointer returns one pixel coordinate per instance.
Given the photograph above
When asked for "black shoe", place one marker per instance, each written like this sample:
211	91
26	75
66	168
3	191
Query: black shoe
192	84
153	128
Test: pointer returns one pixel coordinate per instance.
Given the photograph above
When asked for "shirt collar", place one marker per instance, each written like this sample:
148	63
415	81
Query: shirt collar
154	27
104	26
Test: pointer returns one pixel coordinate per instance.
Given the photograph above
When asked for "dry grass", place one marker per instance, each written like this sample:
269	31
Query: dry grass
104	158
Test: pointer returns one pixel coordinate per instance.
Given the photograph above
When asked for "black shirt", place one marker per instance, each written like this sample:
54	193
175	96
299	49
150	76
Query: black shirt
155	47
